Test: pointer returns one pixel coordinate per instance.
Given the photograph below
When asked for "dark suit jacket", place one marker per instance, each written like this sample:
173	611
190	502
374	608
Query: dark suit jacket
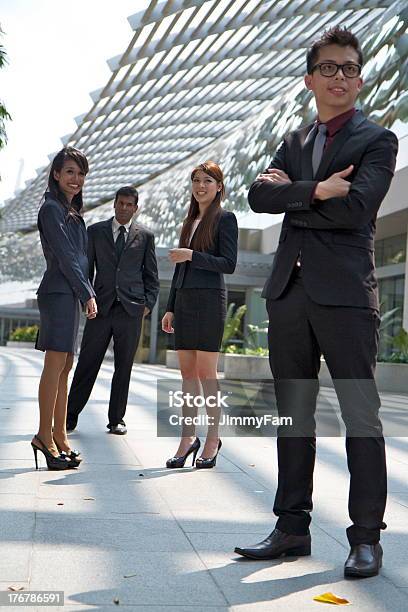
64	243
206	268
133	279
335	236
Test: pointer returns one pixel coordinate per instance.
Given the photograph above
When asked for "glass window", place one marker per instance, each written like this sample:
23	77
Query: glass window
391	291
391	250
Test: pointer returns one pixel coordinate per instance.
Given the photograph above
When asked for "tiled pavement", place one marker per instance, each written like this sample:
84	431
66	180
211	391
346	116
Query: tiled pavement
124	528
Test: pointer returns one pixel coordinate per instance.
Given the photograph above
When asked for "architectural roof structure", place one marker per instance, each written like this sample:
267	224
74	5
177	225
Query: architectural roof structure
214	79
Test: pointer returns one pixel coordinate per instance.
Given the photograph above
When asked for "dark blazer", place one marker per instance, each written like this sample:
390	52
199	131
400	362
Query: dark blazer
64	243
206	268
133	278
335	236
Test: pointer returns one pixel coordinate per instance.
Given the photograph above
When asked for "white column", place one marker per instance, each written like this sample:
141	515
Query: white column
405	311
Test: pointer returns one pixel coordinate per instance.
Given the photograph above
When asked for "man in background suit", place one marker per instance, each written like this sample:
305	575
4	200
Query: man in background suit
126	286
329	179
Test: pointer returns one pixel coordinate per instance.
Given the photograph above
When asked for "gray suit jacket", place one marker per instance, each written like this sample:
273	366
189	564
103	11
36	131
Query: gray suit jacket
134	278
64	243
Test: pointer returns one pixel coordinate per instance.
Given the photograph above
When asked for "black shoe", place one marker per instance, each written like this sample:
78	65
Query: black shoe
363	561
178	462
73	456
53	463
276	545
119	429
206	463
72	422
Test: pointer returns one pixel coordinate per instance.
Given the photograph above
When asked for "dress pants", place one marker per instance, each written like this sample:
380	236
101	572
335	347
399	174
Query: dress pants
300	330
98	332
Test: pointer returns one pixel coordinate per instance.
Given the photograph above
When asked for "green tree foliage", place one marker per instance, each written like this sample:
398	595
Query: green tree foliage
4	115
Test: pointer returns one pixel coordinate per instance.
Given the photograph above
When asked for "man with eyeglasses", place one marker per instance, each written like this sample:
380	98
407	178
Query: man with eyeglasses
329	179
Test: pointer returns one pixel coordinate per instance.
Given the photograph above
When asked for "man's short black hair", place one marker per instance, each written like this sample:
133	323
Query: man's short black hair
127	191
334	36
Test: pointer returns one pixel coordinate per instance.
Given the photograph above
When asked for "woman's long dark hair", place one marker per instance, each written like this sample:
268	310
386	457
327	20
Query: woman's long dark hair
74	208
204	235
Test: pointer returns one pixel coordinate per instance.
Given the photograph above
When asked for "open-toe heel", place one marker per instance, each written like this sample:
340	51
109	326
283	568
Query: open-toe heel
74	456
53	463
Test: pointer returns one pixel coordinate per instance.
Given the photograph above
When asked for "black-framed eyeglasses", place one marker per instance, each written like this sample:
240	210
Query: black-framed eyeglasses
329	69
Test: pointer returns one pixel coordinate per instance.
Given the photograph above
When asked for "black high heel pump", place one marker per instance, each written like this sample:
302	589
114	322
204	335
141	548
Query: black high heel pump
53	463
178	462
204	463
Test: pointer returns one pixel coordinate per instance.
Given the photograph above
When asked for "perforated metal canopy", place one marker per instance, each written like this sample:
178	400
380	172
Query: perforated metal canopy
214	78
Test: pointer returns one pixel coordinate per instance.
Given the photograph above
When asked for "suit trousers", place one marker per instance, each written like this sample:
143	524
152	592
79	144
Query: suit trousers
125	330
300	330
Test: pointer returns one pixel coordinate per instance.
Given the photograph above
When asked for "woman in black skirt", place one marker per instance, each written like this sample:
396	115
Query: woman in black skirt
64	287
197	303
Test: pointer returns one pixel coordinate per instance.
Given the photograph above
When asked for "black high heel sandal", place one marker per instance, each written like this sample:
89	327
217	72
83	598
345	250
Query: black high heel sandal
178	462
53	463
74	456
204	463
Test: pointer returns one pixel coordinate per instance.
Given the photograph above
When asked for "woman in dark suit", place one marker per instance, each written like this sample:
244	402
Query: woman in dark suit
197	302
64	286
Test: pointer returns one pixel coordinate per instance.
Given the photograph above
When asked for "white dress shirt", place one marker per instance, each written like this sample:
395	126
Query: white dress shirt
115	229
193	229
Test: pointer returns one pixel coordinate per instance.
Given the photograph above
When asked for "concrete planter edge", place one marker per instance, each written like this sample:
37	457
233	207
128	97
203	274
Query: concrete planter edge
390	377
17	344
172	361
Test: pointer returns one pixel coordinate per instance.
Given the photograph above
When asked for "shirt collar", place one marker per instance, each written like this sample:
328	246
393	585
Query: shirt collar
116	225
335	124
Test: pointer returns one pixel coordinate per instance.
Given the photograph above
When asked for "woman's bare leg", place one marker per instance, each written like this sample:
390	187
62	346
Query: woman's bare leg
207	373
54	363
191	384
60	413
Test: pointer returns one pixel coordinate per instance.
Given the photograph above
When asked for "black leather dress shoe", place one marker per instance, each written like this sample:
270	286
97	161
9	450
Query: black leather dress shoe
119	429
363	561
278	544
71	423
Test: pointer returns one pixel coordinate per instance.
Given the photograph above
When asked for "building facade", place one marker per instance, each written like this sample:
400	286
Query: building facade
222	80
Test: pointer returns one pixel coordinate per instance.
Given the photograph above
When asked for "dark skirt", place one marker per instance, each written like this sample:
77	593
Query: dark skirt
59	322
199	317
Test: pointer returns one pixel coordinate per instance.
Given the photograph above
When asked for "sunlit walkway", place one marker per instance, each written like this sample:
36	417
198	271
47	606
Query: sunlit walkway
124	528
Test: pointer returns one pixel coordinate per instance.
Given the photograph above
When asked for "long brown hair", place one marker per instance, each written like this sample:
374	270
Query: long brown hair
204	234
75	207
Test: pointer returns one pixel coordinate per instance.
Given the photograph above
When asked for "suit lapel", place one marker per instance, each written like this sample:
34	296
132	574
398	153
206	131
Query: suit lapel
133	231
339	141
107	230
306	143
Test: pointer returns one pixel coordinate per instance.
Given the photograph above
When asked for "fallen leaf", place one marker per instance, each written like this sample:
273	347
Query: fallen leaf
129	575
330	598
141	474
252	465
60	504
89	498
15	588
116	601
